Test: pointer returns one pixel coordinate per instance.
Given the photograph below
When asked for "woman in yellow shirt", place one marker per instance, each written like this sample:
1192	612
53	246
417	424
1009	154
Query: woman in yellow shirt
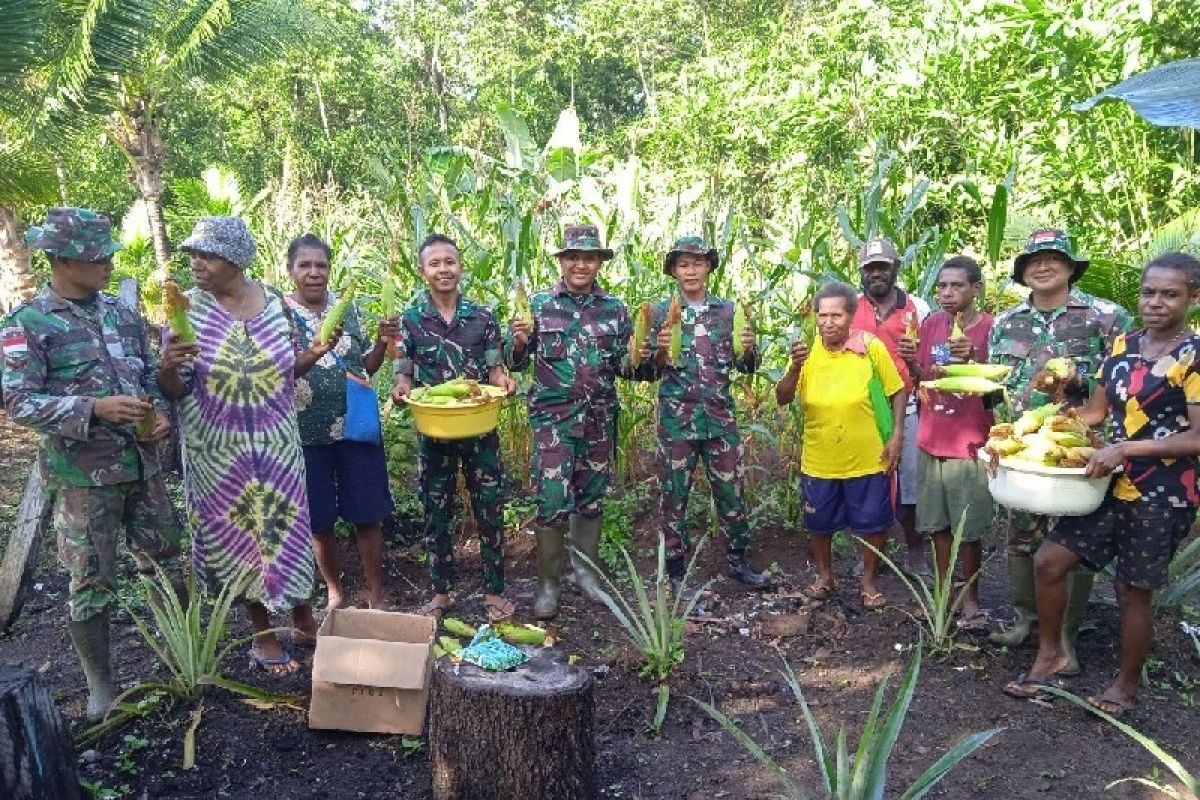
847	468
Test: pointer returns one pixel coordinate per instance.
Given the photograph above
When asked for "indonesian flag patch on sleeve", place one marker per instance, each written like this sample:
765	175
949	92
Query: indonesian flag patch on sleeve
15	345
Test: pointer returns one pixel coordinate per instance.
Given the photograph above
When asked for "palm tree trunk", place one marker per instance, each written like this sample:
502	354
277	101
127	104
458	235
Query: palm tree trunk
17	282
142	142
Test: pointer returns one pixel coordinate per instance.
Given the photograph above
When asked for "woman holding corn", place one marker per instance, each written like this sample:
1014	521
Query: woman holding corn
847	465
345	478
231	360
1150	387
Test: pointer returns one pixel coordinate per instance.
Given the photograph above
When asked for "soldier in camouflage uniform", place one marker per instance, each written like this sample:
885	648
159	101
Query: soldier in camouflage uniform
578	345
79	370
1055	321
695	409
446	336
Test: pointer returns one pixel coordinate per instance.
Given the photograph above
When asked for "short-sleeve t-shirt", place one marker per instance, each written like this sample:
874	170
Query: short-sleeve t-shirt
840	437
951	425
891	328
1150	401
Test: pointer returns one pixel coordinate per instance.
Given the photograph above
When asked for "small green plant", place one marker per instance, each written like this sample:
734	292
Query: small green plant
1189	782
131	745
411	746
1183	577
863	776
190	648
937	599
654	620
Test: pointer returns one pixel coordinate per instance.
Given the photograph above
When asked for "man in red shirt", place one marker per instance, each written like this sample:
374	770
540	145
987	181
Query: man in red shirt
885	310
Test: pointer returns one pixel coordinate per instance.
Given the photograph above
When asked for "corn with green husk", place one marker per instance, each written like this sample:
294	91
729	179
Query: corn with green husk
913	327
993	372
1003	447
519	633
808	323
521	308
963	384
741	318
674	321
145	426
450	644
956	328
336	316
641	330
458	627
176	305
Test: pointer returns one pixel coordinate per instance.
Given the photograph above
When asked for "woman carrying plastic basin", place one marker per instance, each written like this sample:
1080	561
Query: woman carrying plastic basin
1150	386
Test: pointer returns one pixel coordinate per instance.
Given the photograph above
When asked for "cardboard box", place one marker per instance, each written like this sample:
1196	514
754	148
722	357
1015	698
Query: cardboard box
371	672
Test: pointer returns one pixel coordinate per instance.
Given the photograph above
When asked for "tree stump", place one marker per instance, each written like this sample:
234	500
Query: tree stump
521	734
20	555
37	758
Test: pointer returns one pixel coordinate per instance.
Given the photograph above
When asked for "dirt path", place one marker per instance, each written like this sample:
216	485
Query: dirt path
839	652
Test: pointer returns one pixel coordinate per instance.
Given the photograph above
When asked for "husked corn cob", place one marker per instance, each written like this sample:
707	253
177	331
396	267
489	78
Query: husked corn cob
176	305
1003	447
1033	418
641	329
519	633
741	317
912	327
674	321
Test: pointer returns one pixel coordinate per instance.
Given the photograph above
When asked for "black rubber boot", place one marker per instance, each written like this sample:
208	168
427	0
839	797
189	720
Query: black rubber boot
676	569
742	571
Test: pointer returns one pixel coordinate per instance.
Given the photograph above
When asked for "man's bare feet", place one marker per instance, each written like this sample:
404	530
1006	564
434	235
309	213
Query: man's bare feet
1044	672
1116	700
498	607
437	606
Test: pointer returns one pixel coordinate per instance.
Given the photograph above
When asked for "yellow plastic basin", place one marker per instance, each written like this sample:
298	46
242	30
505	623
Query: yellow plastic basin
458	422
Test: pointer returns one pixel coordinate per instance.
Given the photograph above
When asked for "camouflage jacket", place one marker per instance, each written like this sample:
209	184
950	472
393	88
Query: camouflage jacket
578	348
58	358
1024	338
432	352
694	401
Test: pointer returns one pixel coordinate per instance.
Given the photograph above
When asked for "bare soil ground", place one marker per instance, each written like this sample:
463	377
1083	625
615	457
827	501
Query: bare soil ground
839	650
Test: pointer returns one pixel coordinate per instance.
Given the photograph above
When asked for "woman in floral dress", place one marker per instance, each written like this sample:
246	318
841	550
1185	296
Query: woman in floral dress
243	466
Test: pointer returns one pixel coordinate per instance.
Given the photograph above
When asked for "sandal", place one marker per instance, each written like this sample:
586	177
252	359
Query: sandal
502	611
979	622
1020	688
873	600
819	591
432	609
260	662
1114	708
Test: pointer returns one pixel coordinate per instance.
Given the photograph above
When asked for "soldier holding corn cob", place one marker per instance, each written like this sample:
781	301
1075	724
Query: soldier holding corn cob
577	339
1056	321
445	336
79	370
695	357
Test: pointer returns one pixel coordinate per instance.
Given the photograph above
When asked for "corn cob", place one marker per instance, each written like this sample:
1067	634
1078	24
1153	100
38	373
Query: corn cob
518	633
993	372
1067	438
521	308
1002	431
458	627
455	388
450	644
335	316
808	323
1033	418
1060	367
912	327
176	305
741	318
674	321
956	329
1003	447
144	428
963	384
641	329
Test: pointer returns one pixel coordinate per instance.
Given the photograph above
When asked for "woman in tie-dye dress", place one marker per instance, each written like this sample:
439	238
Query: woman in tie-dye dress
243	466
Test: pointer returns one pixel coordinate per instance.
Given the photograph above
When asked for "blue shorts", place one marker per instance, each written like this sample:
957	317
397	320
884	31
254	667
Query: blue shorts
864	505
347	480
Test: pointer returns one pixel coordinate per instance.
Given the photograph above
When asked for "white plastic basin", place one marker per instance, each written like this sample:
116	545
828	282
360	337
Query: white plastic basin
1039	489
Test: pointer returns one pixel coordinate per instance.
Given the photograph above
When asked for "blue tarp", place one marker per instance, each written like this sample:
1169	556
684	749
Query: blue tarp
1167	95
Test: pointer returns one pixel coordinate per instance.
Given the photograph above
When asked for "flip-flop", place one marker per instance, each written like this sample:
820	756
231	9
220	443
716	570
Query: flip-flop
261	662
819	591
430	609
497	613
1018	689
1114	708
873	600
979	622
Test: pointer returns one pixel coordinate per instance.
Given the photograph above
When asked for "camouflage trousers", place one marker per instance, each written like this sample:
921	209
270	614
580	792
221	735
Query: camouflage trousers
571	472
439	462
88	521
1026	532
722	457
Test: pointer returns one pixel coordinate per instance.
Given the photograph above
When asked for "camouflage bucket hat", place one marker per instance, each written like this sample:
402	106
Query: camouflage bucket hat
227	237
78	233
690	244
584	238
1050	240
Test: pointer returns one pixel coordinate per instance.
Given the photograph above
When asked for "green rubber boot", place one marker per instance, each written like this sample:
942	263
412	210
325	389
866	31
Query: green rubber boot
585	538
1020	577
551	540
1079	589
90	637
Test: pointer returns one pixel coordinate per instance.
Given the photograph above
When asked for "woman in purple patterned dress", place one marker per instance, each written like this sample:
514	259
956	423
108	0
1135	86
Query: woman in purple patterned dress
243	466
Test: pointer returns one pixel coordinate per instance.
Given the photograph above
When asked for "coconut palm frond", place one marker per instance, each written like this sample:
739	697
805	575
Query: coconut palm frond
25	179
103	39
1181	233
22	34
219	39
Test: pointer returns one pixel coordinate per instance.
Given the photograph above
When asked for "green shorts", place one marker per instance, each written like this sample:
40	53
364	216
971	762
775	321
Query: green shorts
948	488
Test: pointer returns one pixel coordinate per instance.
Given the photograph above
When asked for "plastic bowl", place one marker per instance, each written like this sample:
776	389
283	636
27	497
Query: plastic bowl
458	422
1055	491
